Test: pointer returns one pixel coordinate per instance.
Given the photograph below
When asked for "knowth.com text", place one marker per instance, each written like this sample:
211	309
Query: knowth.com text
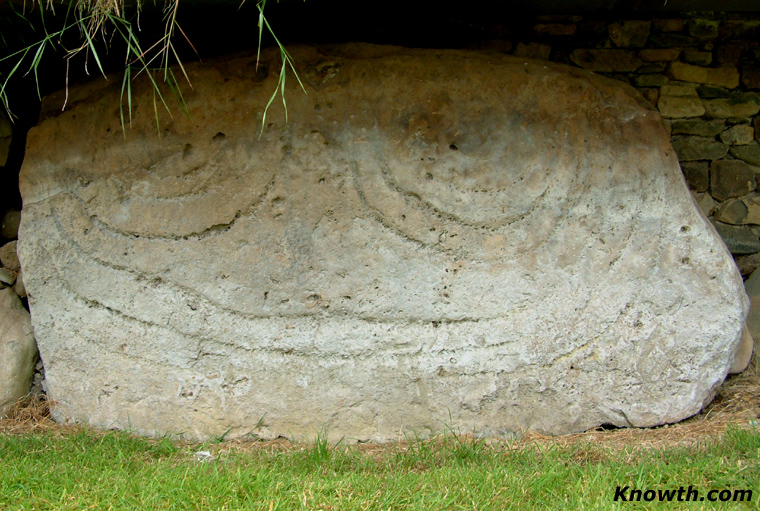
680	494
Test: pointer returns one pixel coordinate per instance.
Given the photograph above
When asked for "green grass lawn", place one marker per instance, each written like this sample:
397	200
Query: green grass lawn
86	469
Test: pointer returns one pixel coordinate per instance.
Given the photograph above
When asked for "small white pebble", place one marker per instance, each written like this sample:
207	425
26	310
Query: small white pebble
204	456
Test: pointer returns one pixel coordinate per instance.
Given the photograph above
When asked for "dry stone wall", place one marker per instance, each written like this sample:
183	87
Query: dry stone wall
435	237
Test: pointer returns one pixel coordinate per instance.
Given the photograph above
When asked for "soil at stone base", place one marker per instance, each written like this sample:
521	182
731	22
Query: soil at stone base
737	403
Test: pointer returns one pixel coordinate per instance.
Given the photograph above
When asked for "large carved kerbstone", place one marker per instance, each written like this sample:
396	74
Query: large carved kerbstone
434	238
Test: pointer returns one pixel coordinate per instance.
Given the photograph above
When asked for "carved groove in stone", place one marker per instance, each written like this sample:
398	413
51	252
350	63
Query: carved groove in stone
435	236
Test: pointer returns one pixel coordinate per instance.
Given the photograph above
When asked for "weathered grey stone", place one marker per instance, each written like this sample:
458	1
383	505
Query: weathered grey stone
752	203
396	257
533	51
743	353
673	107
698	127
668	24
660	54
679	91
739	240
699	148
723	108
732	211
698	58
697	175
749	153
741	134
610	61
7	277
38	381
19	287
722	76
665	122
705	203
18	351
8	256
9	224
630	33
731	178
679	102
748	263
752	286
703	29
734	121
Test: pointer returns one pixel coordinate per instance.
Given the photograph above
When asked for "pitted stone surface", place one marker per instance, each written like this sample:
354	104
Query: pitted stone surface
434	238
18	351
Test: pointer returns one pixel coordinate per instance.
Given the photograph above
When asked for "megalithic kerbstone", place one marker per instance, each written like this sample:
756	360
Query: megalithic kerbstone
433	239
